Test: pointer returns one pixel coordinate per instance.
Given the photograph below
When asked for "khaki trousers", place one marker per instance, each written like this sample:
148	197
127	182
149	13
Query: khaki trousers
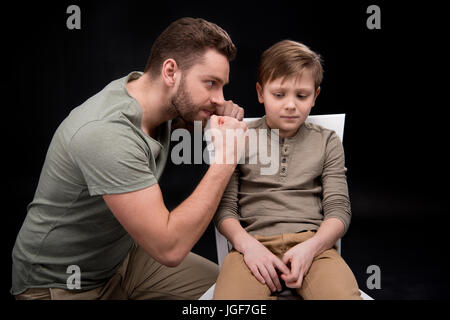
140	277
329	277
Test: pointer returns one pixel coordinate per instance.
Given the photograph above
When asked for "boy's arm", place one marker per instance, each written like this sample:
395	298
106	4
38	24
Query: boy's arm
336	210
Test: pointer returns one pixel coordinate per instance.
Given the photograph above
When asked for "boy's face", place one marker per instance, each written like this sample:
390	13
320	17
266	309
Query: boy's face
288	102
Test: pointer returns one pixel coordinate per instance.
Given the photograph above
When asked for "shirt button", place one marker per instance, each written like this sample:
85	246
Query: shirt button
283	169
283	160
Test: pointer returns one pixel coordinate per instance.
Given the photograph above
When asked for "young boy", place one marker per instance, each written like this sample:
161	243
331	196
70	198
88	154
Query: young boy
285	226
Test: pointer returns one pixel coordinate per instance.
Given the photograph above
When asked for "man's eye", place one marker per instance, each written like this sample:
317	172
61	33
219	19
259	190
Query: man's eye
210	83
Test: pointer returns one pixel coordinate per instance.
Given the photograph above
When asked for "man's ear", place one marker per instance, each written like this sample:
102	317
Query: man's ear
259	91
170	72
315	96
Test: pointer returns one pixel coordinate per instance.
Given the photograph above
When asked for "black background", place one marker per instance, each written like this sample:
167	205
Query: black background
387	81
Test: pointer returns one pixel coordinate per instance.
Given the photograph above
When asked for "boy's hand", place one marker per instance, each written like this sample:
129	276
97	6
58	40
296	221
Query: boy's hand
299	259
262	263
230	109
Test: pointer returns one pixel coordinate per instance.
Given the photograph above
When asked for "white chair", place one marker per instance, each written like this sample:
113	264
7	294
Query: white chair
334	122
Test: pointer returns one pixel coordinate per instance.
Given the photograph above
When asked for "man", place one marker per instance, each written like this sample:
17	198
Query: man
97	227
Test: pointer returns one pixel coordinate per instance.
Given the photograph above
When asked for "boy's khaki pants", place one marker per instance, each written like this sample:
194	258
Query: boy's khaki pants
141	277
329	277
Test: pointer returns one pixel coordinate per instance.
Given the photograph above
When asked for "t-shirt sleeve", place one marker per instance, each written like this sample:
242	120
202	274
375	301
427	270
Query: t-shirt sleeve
111	158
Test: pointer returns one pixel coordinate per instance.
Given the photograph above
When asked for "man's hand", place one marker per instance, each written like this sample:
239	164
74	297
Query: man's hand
262	263
299	260
228	136
230	109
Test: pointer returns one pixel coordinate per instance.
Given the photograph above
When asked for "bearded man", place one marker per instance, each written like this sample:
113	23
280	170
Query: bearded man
98	214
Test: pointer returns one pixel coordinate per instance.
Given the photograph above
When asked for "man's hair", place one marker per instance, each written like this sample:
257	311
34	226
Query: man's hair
186	40
289	58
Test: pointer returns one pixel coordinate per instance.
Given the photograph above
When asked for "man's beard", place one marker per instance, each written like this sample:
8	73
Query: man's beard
183	105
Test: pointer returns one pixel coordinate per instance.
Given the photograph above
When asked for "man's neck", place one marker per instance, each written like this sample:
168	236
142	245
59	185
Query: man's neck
152	96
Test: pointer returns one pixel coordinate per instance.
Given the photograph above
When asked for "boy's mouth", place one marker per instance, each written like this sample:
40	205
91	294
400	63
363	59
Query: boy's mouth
289	117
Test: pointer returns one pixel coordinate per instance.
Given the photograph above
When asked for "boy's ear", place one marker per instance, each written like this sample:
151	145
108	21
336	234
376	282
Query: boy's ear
315	96
259	91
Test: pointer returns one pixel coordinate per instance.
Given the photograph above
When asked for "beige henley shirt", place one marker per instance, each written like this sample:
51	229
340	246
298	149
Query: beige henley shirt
309	186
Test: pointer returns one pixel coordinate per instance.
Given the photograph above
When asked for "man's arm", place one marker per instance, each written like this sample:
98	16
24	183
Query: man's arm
169	236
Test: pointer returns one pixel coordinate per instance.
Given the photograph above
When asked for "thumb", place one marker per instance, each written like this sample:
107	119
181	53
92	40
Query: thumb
286	258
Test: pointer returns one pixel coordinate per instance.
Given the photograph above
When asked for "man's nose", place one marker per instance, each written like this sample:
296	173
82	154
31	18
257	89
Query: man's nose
218	99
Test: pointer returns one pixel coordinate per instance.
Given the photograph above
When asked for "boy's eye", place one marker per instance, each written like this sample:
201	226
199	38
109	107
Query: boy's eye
301	96
278	94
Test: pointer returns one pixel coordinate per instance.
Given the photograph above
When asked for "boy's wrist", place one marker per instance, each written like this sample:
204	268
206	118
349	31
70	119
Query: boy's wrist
244	241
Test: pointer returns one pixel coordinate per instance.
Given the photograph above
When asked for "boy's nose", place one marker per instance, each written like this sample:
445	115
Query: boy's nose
290	105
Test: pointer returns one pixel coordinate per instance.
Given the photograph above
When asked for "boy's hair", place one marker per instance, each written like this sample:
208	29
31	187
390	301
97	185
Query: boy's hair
186	40
288	58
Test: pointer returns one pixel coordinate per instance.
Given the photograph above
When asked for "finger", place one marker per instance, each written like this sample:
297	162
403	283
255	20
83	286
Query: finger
234	111
243	126
299	282
219	110
258	276
274	276
265	274
288	278
227	108
282	267
286	258
293	276
240	115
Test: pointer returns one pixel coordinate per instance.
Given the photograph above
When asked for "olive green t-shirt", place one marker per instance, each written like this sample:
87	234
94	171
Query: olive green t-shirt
98	149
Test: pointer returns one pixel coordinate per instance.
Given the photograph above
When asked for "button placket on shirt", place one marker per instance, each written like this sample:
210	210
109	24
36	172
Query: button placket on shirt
285	151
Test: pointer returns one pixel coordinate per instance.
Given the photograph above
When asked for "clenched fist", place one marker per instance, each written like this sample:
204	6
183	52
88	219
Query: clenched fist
228	136
230	109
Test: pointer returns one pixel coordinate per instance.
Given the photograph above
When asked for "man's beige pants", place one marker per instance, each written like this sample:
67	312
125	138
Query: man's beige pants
329	277
140	277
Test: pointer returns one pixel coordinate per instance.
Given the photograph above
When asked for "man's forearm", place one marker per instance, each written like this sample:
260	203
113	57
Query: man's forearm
189	220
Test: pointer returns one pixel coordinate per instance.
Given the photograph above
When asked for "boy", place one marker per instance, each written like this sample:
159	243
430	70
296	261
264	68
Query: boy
286	225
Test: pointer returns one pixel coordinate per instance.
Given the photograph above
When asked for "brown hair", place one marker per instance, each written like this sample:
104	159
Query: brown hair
185	40
287	58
